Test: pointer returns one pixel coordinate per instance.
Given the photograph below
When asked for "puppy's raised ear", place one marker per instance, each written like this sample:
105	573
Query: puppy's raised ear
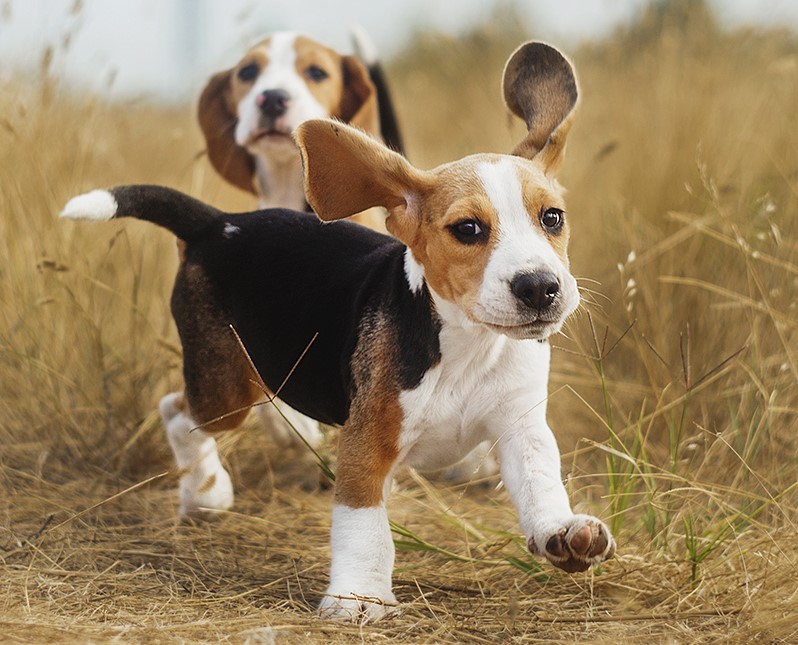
347	171
539	86
217	119
359	100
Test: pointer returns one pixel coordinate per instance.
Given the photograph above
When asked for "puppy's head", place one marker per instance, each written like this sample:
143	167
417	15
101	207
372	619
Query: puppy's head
488	233
286	79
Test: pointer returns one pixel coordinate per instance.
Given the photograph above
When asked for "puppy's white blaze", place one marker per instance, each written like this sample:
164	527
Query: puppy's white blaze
521	246
282	54
98	205
520	241
501	184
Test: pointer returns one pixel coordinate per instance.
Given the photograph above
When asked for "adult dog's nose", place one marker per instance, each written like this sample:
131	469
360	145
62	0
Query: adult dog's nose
273	103
536	290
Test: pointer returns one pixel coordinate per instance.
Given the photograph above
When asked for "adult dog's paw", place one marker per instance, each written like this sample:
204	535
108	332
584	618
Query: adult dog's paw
580	543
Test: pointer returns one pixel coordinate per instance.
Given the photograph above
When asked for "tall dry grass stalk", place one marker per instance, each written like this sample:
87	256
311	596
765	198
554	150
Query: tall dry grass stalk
674	391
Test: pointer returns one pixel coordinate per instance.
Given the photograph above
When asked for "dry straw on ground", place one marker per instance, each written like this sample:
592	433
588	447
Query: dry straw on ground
675	399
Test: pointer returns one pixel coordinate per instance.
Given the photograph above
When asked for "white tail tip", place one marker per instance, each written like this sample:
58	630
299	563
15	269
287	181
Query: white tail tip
98	205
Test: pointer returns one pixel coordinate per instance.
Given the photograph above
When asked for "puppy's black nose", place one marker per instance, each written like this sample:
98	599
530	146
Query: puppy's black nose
535	290
273	103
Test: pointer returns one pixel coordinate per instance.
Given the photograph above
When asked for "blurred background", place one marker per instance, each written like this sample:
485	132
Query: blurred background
163	49
674	392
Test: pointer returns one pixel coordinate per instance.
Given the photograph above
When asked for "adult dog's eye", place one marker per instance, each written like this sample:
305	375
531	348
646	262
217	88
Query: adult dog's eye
469	231
316	74
552	219
248	73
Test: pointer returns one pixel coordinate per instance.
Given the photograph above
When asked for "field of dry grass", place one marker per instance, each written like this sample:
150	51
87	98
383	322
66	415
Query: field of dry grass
674	391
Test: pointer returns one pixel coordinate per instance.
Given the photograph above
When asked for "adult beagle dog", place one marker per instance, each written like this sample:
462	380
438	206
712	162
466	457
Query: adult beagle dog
248	113
420	345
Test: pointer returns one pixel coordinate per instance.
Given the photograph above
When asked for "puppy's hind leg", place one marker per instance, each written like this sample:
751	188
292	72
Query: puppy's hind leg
205	485
287	427
220	388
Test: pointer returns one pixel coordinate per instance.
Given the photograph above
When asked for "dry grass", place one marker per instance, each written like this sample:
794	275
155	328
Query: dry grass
685	153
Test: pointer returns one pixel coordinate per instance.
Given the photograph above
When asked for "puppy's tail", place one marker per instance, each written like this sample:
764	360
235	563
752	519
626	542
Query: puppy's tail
186	217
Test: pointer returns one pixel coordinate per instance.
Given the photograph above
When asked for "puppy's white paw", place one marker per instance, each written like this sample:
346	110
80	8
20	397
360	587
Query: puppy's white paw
579	543
204	498
205	485
358	608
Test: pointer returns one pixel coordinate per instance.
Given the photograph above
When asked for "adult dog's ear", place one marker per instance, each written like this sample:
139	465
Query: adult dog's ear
539	86
359	100
217	119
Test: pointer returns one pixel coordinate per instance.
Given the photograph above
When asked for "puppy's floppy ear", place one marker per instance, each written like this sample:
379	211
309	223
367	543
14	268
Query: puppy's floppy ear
359	100
539	86
347	171
218	120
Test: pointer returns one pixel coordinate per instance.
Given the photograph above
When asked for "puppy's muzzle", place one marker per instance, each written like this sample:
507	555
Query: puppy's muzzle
535	291
273	103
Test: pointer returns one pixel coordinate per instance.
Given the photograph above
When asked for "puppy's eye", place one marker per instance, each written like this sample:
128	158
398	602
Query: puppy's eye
552	219
469	231
248	73
316	74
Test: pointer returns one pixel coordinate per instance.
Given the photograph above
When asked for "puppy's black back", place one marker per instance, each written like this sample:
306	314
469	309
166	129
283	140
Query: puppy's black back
287	283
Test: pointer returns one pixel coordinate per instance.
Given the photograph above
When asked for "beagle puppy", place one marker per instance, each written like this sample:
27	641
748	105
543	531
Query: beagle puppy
248	113
420	345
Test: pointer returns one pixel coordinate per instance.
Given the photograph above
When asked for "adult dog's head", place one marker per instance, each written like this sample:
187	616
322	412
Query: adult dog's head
248	113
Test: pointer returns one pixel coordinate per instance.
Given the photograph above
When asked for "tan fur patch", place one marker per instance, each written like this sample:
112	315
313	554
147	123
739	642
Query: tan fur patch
238	88
537	199
328	92
368	443
208	484
453	269
217	114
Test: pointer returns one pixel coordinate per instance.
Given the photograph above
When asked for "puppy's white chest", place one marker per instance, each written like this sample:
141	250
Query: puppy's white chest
462	397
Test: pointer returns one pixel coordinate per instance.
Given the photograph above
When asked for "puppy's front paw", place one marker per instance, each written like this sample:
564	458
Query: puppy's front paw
357	608
581	542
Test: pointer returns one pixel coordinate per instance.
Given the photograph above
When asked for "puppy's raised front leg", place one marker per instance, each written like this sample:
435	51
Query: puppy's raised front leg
530	465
